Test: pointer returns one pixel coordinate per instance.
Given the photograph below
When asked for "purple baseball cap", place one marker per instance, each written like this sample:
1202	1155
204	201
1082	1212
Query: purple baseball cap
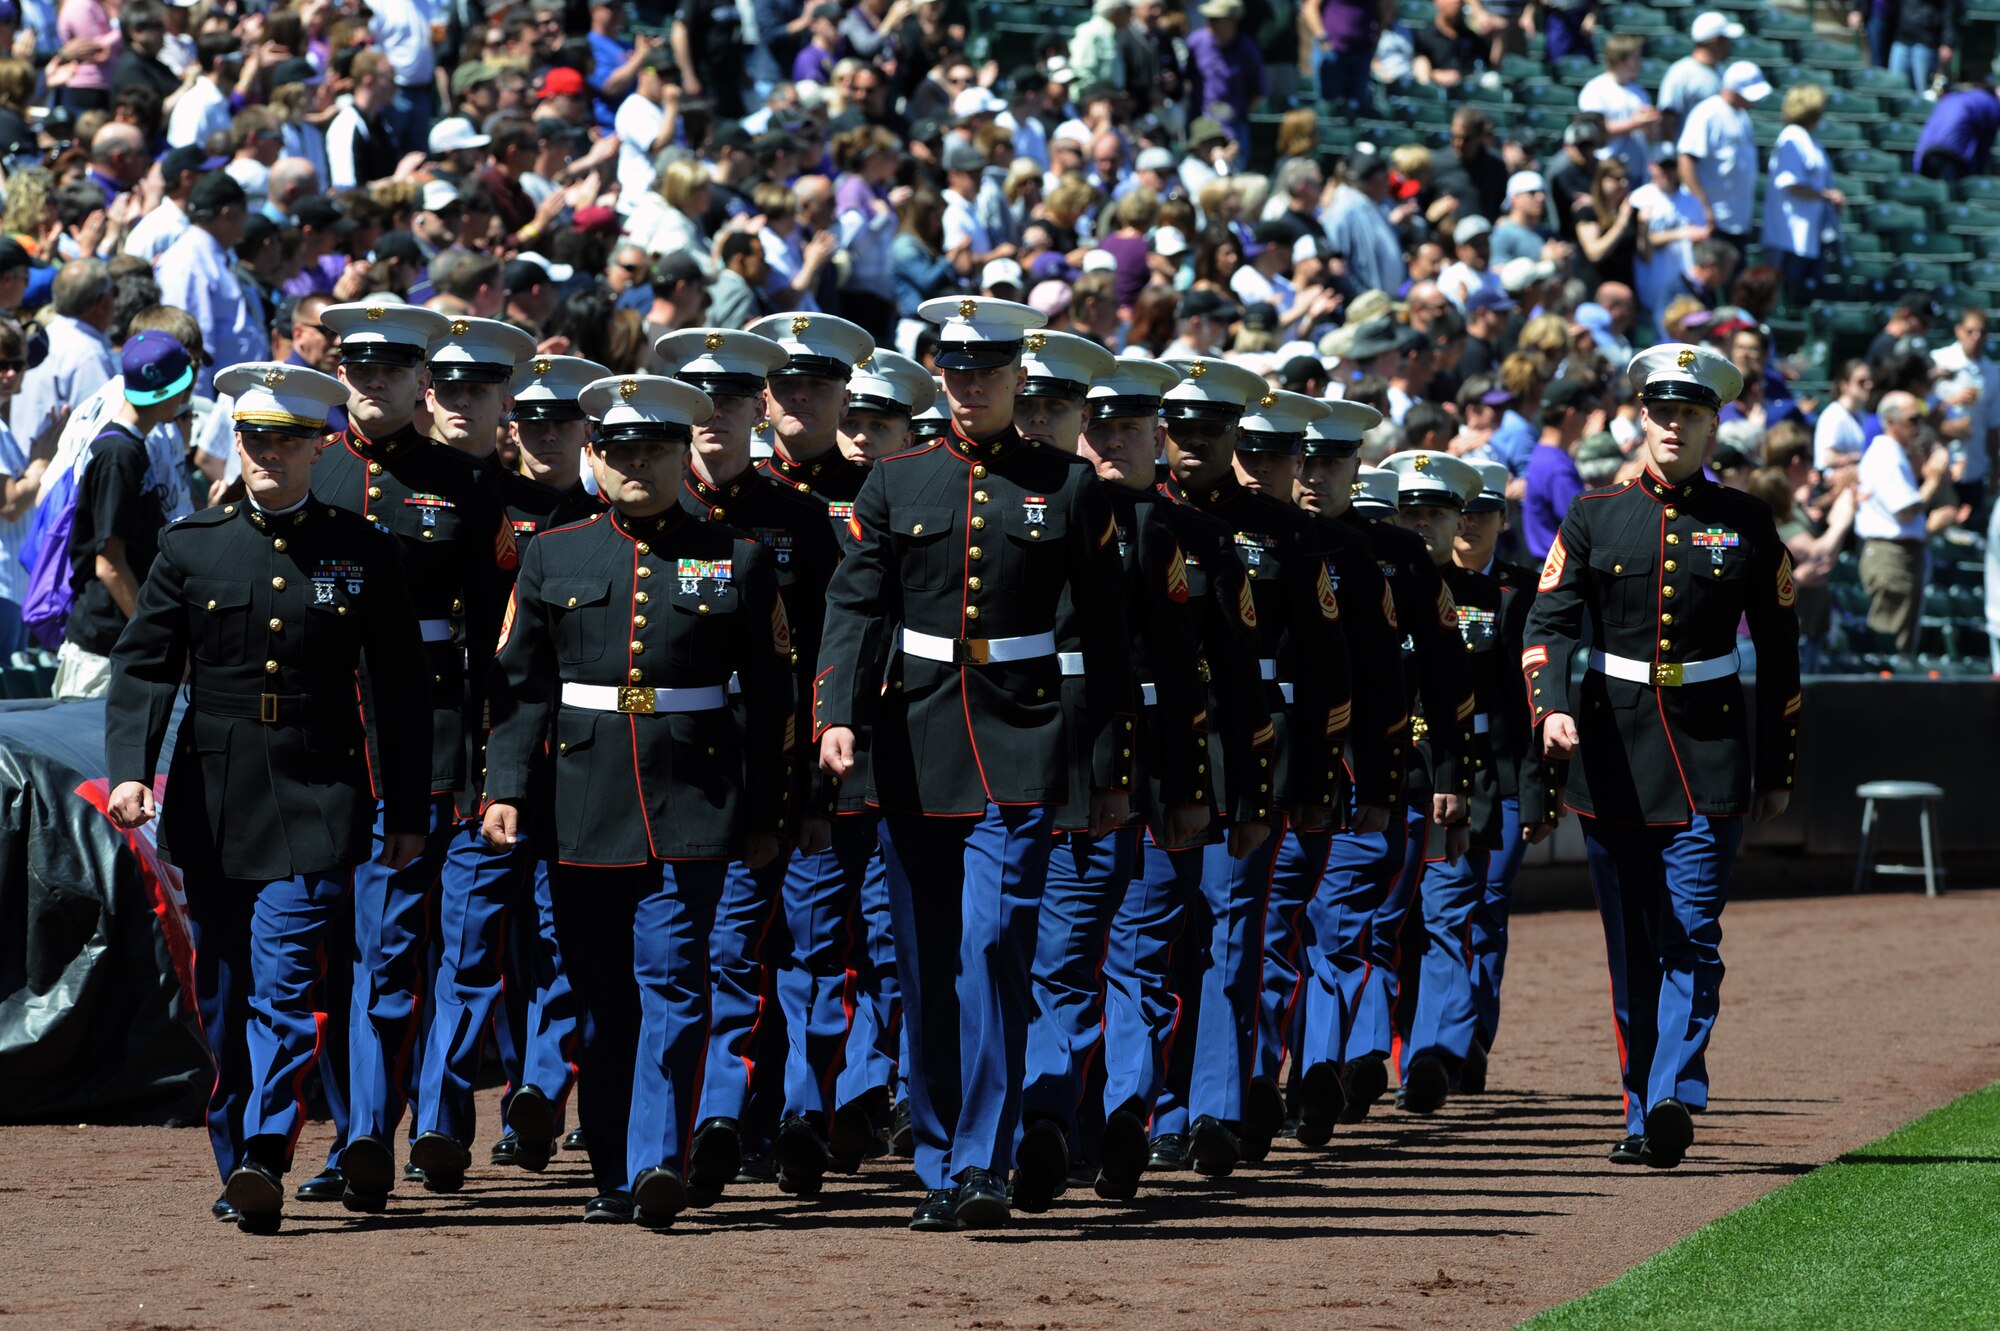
156	368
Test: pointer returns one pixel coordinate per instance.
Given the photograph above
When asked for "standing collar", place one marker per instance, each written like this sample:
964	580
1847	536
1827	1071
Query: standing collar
1658	487
650	528
1217	492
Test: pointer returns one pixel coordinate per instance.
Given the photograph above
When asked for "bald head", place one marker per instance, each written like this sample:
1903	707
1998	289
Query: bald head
119	151
292	179
1896	408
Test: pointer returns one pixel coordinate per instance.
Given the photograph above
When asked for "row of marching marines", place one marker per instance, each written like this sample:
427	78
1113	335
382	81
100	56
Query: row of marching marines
1060	772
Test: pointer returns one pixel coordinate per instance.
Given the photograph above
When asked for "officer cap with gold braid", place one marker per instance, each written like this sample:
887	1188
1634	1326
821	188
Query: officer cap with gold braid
1681	372
645	406
891	385
1062	365
390	334
820	346
1428	479
979	332
722	362
280	399
1277	422
478	351
545	388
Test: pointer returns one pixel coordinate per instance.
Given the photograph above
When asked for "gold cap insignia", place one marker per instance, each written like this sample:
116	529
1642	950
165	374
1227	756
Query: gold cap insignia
967	308
272	378
374	313
543	366
1269	399
713	342
800	324
1036	341
1198	369
1354	490
1686	359
1420	462
628	388
862	364
459	328
763	425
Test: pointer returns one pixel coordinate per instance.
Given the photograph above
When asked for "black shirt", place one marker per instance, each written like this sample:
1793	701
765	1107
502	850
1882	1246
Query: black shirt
1458	53
1569	186
112	503
1616	266
135	68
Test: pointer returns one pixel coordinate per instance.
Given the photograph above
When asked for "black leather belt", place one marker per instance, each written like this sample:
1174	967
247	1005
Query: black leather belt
270	708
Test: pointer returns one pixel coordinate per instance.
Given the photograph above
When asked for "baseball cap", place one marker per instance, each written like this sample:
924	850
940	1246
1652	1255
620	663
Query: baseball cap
1573	393
728	134
1205	130
964	157
189	158
561	81
399	245
12	256
470	75
1051	297
453	133
1707	27
1525	182
1364	162
155	366
437	196
1154	159
1594	317
1168	242
556	272
296	70
1470	229
1746	80
1205	305
1000	272
1486	298
321	214
214	192
1100	261
976	101
594	222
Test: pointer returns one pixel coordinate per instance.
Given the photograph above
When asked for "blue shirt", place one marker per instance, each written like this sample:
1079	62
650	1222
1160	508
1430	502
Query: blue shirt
606	55
198	275
1514	443
1963	124
1553	481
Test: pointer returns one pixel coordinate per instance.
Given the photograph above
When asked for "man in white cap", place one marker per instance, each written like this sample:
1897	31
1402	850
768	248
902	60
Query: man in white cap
1719	163
266	607
1697	76
1183	807
1207	1109
985	536
1523	232
494	910
1268	456
1663	766
887	392
1472	270
623	634
1442	1043
458	549
816	887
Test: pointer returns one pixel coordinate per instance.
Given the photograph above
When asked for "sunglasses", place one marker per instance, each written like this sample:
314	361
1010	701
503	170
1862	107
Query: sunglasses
6	365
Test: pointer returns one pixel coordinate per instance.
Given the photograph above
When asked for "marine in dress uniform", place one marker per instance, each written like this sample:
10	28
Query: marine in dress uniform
1663	766
494	919
457	548
266	608
1087	873
804	401
885	395
752	954
1204	760
613	675
960	556
1515	746
1203	1113
933	423
1268	458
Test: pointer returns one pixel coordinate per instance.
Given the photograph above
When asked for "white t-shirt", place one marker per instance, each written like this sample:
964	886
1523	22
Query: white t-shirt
403	30
1688	81
1793	225
637	124
156	231
1838	432
1664	212
1620	101
1888	485
14	532
1960	373
202	110
1723	143
961	222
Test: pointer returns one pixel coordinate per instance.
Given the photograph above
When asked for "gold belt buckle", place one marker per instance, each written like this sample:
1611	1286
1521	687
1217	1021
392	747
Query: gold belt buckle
1419	727
636	700
267	708
1667	675
973	651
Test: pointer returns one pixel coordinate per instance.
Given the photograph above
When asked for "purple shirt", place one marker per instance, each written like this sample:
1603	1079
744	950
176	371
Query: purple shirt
1234	76
1963	124
1131	277
1553	481
1349	24
317	277
812	65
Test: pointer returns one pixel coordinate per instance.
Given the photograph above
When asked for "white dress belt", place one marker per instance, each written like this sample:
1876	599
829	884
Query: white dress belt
613	698
1150	695
1267	669
1071	662
978	651
1284	689
1663	674
1481	723
435	630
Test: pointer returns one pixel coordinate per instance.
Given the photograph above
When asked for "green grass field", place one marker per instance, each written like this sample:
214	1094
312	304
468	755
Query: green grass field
1902	1233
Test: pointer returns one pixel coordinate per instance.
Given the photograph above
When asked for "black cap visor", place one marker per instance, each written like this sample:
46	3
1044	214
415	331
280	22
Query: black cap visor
976	355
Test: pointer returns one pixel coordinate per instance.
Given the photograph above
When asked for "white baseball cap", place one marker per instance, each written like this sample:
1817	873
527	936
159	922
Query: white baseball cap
1707	27
1168	242
1525	182
976	101
1746	80
1001	273
1100	261
453	133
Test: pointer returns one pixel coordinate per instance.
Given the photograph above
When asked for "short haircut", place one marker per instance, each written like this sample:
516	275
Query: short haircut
510	136
737	244
1622	47
464	277
1425	418
175	322
1713	254
75	202
211	48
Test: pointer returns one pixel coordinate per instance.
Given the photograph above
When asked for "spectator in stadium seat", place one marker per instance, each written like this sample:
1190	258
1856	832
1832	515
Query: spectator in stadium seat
1837	436
1630	118
1901	474
1569	171
1925	33
1902	334
1719	153
1552	478
1967	395
1800	203
1448	51
1358	223
1525	229
1344	36
1957	138
1707	277
1611	240
1697	76
1225	68
1472	172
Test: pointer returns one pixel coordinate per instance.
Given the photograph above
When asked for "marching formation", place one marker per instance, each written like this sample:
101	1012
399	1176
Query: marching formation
1059	772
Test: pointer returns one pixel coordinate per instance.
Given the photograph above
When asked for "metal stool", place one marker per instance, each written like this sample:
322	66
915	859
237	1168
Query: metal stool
1927	796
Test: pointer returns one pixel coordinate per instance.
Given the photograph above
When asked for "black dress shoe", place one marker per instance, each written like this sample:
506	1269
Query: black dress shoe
658	1195
801	1157
1213	1148
982	1202
937	1213
856	1134
370	1168
1169	1150
902	1133
713	1160
1669	1133
326	1186
1263	1116
1122	1152
1630	1151
412	1174
532	1119
757	1166
258	1195
608	1208
1041	1166
574	1142
222	1210
1472	1073
1425	1086
1320	1102
439	1161
517	1154
1367	1079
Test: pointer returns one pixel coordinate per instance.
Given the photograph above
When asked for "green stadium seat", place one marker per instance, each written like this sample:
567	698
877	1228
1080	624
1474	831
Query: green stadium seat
1770	21
1519	71
1487	98
1577	70
1936	247
1836	53
1871	162
1919	190
1853	239
1979	187
1912	275
1849	103
1983	274
1761	49
1638	20
1553	96
1899	137
1870	78
1881	217
1837	135
1669	46
1416	13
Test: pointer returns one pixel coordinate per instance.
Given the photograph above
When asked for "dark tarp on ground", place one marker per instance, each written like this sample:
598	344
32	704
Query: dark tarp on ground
95	1023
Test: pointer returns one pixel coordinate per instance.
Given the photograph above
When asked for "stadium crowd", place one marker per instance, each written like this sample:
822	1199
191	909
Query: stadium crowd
1159	178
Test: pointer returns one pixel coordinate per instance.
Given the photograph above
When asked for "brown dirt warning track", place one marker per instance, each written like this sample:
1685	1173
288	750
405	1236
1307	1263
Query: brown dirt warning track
1841	1018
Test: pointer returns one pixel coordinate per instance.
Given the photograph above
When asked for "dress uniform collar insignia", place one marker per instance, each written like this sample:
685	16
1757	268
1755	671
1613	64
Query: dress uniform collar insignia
1658	487
648	528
